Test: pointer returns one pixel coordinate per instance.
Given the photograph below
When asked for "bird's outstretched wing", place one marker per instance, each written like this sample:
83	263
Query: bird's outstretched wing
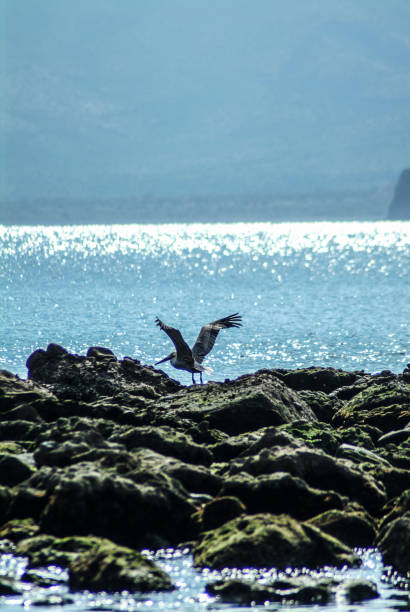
208	334
182	349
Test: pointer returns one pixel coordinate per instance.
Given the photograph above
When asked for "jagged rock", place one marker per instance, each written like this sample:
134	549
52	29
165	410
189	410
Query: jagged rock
360	455
140	508
317	379
360	590
14	391
246	404
97	375
383	405
219	511
350	527
165	440
13	470
396	437
19	529
318	469
194	478
280	493
107	567
400	205
43	550
394	544
266	540
396	508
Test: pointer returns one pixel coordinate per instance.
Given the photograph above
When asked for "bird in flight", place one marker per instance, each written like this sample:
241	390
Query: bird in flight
184	358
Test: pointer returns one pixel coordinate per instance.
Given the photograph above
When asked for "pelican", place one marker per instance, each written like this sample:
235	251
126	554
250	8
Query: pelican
183	358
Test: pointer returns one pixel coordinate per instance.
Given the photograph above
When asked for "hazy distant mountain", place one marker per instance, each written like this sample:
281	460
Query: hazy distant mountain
194	97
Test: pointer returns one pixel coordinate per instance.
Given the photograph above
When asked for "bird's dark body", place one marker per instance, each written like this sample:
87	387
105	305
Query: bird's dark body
191	360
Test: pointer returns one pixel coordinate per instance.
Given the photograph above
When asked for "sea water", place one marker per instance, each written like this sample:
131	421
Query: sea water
328	294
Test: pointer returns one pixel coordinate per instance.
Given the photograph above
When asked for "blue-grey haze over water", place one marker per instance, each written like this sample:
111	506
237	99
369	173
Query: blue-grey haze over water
327	293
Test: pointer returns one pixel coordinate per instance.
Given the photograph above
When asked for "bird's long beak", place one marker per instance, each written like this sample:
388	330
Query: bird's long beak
165	359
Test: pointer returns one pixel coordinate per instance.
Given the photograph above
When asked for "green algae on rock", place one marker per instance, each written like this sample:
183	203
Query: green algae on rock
267	540
353	528
107	567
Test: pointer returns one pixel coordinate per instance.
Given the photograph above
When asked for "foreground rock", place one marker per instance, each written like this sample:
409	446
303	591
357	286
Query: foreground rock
277	468
267	540
106	567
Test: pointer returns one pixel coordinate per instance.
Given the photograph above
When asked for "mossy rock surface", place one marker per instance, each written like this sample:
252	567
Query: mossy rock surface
386	406
107	567
43	550
266	540
317	379
352	528
394	544
280	493
19	529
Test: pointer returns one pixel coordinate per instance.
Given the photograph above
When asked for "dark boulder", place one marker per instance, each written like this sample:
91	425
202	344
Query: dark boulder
353	528
394	544
140	509
280	493
246	404
266	540
99	374
108	567
317	469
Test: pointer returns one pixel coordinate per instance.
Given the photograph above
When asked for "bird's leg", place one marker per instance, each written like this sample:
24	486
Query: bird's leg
193	379
200	378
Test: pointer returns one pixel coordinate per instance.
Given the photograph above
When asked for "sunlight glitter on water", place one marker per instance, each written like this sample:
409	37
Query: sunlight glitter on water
309	292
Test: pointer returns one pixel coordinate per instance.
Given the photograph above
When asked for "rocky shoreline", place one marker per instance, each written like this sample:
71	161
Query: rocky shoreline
101	458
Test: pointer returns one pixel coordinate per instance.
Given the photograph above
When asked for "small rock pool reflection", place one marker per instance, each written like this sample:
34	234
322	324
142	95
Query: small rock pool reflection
190	593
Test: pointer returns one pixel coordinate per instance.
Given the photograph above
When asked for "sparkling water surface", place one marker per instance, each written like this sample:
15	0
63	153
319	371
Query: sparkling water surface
330	294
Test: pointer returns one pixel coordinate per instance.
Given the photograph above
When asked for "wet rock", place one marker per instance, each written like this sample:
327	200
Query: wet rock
19	529
140	509
194	478
21	430
360	455
107	567
219	511
43	550
395	544
243	405
13	470
14	391
232	446
396	508
394	480
383	405
350	527
280	493
96	375
319	470
245	592
396	437
315	435
317	379
166	441
360	590
266	540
